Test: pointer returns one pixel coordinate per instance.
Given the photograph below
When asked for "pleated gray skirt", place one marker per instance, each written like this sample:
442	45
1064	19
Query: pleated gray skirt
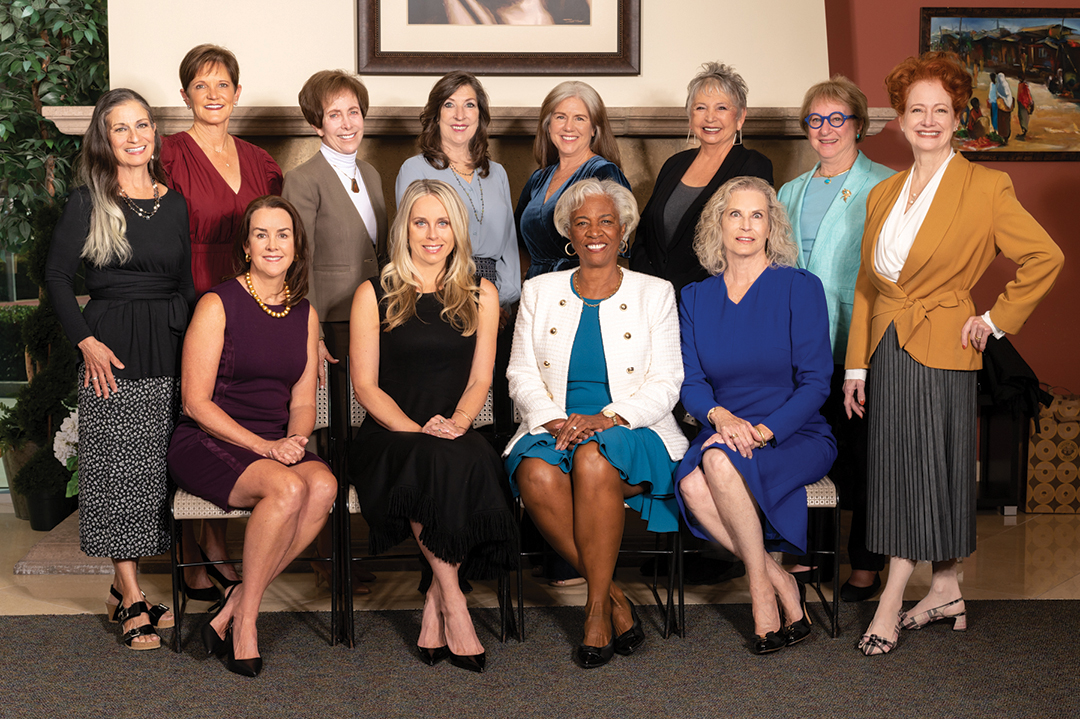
921	469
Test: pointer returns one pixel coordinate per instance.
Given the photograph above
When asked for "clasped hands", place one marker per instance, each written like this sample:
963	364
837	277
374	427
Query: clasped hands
287	450
576	428
737	433
439	426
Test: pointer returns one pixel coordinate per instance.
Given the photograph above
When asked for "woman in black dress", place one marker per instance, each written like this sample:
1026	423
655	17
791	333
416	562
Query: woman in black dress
131	233
422	344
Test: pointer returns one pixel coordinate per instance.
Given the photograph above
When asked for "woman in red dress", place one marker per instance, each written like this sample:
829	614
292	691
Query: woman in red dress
218	175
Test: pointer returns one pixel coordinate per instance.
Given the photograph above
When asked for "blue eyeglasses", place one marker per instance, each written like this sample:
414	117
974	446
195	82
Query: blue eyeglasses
837	119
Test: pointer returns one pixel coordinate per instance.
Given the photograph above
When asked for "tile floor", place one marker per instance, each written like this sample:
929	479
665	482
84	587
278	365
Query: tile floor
1029	556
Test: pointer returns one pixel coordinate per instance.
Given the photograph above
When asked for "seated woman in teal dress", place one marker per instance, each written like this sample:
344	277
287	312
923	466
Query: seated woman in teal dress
755	345
595	371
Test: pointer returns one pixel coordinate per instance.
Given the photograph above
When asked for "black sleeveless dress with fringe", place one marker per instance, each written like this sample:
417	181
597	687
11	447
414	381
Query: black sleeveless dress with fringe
455	488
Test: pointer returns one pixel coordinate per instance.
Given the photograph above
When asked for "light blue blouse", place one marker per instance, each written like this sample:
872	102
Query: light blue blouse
490	213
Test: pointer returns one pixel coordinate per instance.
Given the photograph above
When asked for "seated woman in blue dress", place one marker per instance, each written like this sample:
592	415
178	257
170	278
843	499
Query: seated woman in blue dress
755	344
595	371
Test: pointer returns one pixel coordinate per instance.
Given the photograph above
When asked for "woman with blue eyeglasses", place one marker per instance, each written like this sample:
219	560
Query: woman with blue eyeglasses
827	207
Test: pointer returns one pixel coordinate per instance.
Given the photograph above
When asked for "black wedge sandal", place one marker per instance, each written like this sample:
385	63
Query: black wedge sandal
156	611
146	630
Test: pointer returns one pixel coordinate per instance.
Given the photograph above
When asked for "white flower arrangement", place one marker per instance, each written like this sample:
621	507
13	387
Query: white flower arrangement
66	449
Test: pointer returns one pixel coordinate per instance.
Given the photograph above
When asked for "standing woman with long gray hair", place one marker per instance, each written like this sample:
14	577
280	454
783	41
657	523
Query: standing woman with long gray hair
131	234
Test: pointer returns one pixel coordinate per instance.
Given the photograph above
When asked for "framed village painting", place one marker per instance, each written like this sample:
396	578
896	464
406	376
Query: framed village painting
499	37
1025	102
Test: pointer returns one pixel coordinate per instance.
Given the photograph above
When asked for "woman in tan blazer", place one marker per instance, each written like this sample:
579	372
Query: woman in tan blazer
930	234
340	200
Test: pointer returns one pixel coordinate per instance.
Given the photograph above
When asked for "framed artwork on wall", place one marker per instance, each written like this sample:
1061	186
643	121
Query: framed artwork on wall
499	37
1025	102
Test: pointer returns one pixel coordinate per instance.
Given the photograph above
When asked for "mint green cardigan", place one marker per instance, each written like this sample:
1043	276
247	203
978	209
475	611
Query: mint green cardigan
836	253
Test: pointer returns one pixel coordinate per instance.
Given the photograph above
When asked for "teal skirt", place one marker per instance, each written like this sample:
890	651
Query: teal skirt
638	454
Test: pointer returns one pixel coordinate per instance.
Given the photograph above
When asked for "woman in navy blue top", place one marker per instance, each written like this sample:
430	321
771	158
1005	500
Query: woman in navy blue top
573	142
755	344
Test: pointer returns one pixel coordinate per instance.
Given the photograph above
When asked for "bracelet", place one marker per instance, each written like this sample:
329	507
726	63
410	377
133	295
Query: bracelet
463	414
708	417
761	438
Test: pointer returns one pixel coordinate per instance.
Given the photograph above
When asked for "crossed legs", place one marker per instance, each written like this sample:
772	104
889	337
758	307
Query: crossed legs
722	503
446	618
291	505
588	539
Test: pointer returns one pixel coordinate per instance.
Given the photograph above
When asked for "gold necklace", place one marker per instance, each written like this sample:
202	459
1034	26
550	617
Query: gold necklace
582	297
267	310
828	178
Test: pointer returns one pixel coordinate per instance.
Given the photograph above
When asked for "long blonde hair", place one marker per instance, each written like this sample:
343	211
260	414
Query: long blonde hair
458	290
780	248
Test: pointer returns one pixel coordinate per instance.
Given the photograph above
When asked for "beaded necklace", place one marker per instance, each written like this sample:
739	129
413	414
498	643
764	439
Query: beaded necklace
138	210
479	185
267	310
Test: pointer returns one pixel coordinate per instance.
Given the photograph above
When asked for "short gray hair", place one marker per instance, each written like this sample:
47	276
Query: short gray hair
574	197
709	241
716	76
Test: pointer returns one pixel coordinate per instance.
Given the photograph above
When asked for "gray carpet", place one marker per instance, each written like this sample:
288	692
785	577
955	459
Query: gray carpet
1019	659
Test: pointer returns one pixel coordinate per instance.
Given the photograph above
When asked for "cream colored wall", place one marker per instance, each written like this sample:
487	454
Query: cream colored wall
779	46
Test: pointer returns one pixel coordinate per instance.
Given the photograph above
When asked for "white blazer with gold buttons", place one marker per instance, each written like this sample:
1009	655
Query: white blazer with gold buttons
639	326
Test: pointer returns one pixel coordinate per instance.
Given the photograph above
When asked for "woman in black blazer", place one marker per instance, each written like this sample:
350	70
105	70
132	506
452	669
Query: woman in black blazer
716	105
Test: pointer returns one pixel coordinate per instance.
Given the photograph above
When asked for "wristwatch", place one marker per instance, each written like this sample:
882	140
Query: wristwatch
612	415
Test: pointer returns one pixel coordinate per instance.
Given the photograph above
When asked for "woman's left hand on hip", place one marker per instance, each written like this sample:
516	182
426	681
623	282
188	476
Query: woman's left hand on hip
977	332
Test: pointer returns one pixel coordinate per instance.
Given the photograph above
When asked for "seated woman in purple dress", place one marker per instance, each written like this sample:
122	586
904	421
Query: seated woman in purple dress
248	392
755	345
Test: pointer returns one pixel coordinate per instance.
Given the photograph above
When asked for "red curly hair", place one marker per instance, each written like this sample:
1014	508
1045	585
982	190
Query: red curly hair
943	67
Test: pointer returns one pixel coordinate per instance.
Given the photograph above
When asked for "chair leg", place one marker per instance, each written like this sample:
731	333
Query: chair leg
175	535
682	588
520	603
836	572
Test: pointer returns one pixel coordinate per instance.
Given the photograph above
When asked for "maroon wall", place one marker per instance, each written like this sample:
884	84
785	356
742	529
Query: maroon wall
866	40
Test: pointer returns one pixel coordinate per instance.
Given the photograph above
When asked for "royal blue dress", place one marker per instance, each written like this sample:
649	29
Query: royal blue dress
638	454
765	359
535	218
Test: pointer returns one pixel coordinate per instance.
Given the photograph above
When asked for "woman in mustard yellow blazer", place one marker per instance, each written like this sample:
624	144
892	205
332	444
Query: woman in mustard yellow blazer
930	234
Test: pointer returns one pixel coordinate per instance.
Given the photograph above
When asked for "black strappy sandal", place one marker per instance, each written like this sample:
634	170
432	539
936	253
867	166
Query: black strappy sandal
146	630
156	612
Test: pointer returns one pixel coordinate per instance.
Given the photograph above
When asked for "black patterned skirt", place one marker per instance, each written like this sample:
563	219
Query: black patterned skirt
921	461
123	482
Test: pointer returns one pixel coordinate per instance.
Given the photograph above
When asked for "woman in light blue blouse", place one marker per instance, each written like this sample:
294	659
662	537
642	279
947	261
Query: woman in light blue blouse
827	207
454	148
573	142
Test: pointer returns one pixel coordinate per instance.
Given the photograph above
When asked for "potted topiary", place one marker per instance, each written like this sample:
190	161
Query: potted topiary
39	408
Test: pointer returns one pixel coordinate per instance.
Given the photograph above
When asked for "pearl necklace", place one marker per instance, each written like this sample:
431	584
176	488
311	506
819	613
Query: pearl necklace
589	304
267	310
138	210
468	196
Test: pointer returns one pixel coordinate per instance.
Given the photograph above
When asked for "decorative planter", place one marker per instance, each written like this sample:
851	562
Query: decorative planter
48	510
14	460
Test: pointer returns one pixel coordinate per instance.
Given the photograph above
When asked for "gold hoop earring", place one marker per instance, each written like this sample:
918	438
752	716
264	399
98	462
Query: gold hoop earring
623	247
569	249
247	257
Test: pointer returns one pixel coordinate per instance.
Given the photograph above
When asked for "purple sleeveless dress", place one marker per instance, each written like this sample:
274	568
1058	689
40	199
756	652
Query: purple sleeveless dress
261	359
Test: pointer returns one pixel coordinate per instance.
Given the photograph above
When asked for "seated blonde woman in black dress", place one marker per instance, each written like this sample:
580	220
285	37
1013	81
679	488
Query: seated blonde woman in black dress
422	346
248	390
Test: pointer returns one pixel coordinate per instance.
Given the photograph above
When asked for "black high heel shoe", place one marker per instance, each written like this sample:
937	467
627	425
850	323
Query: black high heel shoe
243	667
214	572
206	594
797	631
472	662
213	643
431	657
628	642
772	641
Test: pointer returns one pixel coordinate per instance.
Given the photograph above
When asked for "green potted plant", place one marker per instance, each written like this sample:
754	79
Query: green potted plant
40	405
